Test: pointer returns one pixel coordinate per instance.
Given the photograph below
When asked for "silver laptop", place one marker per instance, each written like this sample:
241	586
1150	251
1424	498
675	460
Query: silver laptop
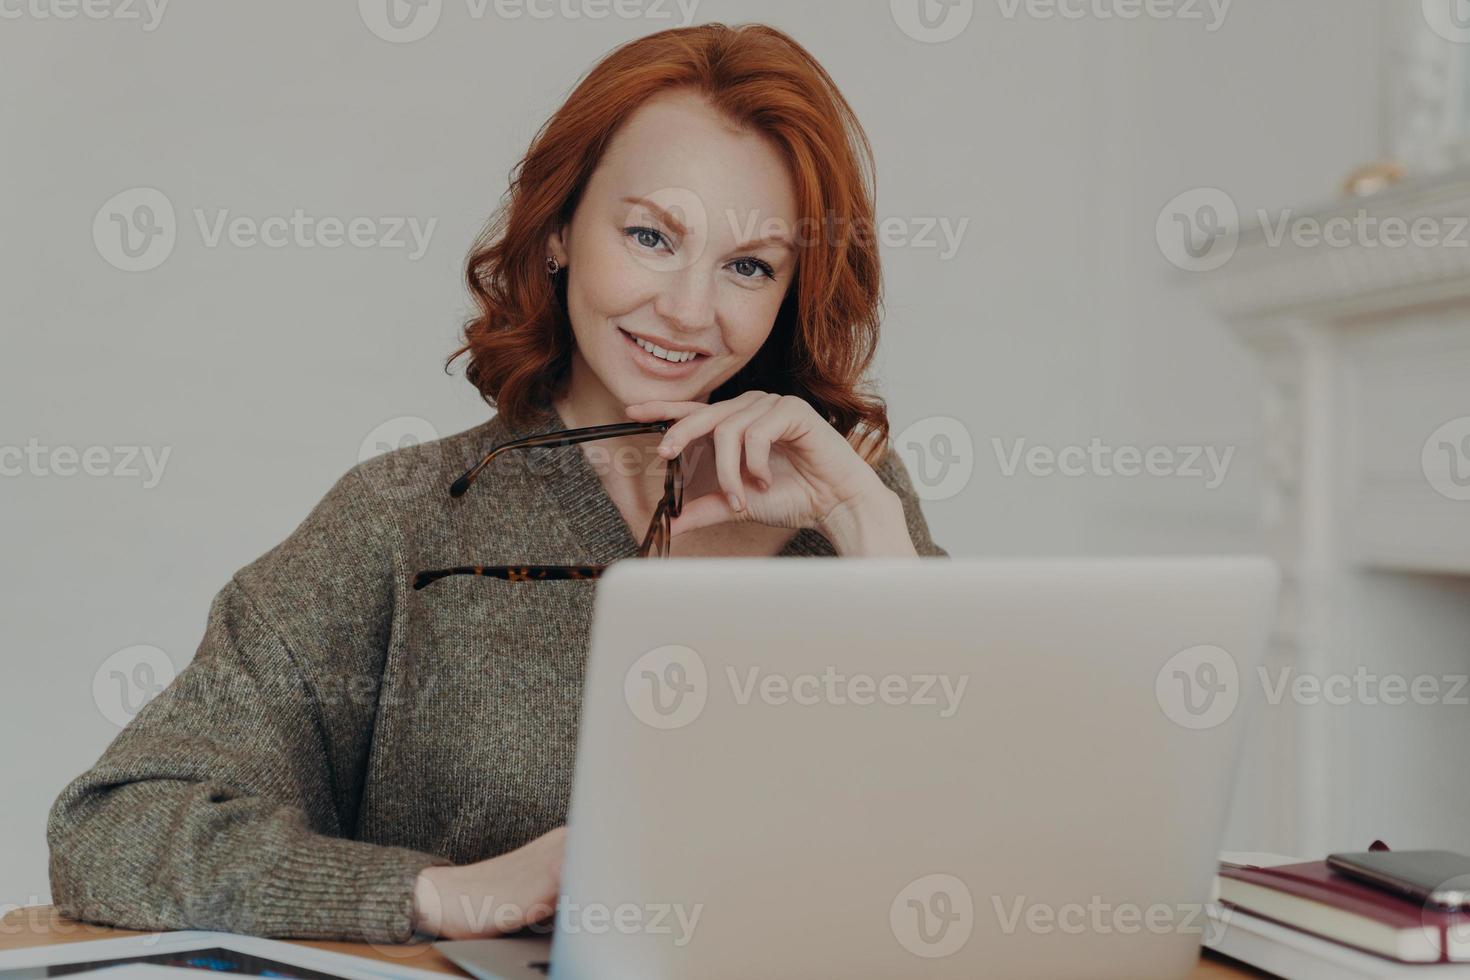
900	768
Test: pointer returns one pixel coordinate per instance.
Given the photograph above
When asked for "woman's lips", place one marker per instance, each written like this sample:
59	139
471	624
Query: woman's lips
657	366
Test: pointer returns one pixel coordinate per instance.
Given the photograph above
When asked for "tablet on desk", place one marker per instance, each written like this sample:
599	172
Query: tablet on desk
163	953
216	958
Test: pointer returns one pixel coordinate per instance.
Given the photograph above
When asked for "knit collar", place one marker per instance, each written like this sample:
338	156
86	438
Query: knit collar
570	481
590	513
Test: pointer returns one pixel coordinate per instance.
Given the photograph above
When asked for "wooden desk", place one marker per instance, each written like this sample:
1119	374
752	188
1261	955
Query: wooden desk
40	925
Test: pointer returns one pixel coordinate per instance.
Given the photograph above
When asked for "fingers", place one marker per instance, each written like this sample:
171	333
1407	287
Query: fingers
742	430
712	508
649	411
773	425
729	439
692	425
783	419
539	912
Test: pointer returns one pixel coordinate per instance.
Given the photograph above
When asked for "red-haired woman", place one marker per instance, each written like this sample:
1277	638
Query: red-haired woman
368	743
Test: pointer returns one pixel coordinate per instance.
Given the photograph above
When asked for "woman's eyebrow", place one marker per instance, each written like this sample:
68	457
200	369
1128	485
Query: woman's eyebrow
776	238
663	215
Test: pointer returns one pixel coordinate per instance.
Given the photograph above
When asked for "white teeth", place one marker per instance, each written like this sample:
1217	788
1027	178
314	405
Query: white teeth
657	351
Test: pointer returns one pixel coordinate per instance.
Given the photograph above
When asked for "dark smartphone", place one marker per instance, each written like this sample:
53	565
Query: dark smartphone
1439	878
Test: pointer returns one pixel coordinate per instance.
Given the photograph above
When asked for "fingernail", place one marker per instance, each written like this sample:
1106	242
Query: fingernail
734	502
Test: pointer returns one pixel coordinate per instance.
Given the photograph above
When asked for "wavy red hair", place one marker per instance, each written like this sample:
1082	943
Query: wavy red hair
826	333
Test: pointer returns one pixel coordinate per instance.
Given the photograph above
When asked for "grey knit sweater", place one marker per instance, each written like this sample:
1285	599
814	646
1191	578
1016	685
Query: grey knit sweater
337	731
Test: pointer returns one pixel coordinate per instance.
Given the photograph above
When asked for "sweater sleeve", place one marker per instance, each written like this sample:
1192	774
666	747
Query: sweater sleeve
895	476
228	802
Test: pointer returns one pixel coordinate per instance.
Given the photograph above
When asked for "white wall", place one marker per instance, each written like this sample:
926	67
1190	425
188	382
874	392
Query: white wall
263	370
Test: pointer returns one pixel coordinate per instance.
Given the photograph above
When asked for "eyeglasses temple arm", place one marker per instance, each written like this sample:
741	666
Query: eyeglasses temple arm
458	487
568	438
513	573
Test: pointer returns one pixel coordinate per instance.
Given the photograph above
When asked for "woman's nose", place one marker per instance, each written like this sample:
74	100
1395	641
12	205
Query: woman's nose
687	301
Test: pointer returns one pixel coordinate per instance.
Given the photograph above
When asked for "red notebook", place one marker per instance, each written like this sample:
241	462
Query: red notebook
1314	898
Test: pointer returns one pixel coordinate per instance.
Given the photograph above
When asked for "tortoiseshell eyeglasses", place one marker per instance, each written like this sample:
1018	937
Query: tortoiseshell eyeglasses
655	542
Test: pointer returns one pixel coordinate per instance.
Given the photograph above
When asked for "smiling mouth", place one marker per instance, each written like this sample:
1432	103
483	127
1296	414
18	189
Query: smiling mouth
663	353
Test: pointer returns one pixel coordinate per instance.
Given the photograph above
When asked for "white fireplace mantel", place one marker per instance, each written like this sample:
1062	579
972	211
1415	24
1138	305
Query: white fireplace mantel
1364	341
1360	266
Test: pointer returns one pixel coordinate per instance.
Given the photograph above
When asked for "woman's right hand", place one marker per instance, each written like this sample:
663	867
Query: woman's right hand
492	897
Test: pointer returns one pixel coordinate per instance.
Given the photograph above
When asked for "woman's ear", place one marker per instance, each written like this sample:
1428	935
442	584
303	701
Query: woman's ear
556	245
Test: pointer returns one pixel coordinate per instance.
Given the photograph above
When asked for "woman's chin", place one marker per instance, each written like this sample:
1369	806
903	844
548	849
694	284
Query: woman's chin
634	394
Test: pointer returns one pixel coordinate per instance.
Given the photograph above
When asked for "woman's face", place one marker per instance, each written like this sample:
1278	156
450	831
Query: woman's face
681	241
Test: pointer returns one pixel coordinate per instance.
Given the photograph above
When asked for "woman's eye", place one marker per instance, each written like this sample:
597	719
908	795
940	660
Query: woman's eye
647	237
747	268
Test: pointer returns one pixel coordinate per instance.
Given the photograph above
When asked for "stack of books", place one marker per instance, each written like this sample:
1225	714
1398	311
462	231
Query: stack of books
1303	921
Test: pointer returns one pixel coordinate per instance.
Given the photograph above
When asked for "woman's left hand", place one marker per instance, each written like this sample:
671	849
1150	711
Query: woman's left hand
779	463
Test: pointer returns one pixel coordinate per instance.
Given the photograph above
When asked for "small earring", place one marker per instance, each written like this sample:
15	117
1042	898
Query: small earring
552	265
